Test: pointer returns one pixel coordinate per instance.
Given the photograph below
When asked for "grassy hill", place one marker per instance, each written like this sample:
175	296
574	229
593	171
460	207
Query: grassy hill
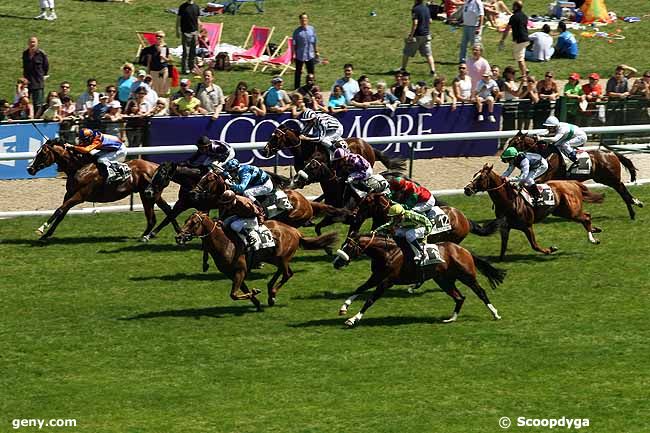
93	39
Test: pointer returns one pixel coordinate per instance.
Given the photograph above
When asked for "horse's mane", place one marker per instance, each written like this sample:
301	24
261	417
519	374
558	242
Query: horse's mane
388	240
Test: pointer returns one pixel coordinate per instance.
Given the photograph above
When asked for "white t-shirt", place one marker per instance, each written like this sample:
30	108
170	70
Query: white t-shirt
542	45
465	86
484	89
472	10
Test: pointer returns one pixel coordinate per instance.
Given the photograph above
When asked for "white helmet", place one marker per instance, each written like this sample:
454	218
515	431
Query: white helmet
308	115
551	121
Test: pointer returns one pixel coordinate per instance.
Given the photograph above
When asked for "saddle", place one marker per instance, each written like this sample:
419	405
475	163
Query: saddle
582	167
547	198
431	253
275	203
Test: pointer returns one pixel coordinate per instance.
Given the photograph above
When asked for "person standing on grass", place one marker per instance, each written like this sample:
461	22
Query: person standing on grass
187	28
518	23
473	16
304	48
419	38
35	68
46	6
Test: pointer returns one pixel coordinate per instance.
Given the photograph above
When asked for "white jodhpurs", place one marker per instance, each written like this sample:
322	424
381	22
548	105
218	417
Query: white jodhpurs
530	179
411	234
237	224
259	190
332	137
567	147
107	156
45	4
425	207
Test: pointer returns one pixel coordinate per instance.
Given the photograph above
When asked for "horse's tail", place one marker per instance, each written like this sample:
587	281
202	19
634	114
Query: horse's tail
279	181
590	196
494	275
486	230
391	163
319	242
322	209
629	166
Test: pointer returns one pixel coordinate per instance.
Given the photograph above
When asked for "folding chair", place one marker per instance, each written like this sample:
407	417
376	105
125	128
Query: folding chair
260	39
214	36
145	39
282	61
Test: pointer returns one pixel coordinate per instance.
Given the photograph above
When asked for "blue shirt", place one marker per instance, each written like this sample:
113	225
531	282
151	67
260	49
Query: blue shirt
567	45
335	102
249	176
273	97
124	88
423	15
350	88
304	43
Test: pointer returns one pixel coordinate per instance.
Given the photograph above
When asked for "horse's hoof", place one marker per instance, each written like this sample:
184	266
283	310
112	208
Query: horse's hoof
452	319
39	232
343	312
144	239
255	292
596	230
637	202
553	249
271	302
350	323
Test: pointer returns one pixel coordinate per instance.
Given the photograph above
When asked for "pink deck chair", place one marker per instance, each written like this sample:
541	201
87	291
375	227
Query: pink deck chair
282	61
145	39
260	39
214	36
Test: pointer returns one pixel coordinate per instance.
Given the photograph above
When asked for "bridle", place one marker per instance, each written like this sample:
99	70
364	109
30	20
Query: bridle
201	219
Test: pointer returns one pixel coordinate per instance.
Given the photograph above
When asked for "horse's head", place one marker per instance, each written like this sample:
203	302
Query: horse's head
524	142
350	250
45	155
282	138
483	180
194	227
211	185
160	179
314	171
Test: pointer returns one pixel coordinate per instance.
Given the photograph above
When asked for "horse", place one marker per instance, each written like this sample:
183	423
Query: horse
286	138
187	178
375	206
85	183
389	266
605	167
520	215
227	251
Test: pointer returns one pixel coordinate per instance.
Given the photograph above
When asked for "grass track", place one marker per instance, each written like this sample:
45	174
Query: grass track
129	338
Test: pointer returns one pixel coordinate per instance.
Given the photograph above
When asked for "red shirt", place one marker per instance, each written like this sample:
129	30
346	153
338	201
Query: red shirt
590	90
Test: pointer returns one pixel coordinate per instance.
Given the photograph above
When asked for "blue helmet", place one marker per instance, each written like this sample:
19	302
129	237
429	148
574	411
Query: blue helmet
231	165
86	135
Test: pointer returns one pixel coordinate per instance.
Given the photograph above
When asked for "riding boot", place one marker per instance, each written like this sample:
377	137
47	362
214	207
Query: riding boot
574	158
418	252
534	193
103	172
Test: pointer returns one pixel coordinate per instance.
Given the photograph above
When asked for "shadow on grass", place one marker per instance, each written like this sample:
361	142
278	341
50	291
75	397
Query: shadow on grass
213	312
392	293
67	241
208	276
153	248
16	17
387	321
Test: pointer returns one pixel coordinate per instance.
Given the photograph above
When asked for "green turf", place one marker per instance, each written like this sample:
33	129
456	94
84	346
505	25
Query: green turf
92	39
128	337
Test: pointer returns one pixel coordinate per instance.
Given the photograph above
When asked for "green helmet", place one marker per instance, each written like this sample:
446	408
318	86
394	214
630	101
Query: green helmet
395	210
510	152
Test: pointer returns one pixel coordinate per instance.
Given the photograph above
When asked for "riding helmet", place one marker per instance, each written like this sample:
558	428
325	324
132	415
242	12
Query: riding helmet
308	115
339	153
231	165
552	121
203	141
395	210
510	152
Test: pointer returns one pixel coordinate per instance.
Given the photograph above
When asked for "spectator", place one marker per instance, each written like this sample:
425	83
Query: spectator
22	89
593	91
53	111
210	95
573	89
617	86
398	82
422	96
237	102
406	92
567	45
184	85
297	105
139	106
419	38
364	97
4	110
113	119
139	82
518	23
493	8
50	95
350	85
134	113
187	28
542	48
100	109
496	76
463	85
88	99
336	103
275	98
188	105
36	66
47	11
157	61
152	95
304	48
641	87
64	90
388	99
203	44
111	92
441	94
473	15
547	89
311	93
161	108
527	107
256	103
68	108
484	92
477	65
22	110
510	87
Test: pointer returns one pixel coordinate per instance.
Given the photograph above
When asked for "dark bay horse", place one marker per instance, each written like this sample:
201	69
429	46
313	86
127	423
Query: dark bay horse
228	253
389	266
520	215
605	167
85	183
375	206
286	138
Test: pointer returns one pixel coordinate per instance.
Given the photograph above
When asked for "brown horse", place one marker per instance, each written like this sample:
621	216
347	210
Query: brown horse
390	266
85	183
520	215
228	253
375	206
286	138
605	167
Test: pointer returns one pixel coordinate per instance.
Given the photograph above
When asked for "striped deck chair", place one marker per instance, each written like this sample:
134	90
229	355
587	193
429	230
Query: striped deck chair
145	39
282	61
214	36
260	37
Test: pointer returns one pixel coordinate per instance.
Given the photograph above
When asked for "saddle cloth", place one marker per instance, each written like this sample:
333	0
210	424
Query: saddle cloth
121	172
582	167
263	239
276	203
548	198
439	219
432	255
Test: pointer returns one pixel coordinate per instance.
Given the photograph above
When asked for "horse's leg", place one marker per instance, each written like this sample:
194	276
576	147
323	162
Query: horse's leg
374	296
450	288
326	221
530	234
286	272
149	213
505	234
58	215
585	219
253	296
371	282
170	217
237	281
629	200
470	281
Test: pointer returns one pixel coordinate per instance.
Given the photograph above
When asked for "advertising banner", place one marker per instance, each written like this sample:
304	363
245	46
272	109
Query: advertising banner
24	137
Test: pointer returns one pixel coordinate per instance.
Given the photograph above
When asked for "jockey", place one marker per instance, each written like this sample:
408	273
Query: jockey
322	128
411	195
352	167
107	149
410	225
252	181
565	136
532	165
245	216
211	154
